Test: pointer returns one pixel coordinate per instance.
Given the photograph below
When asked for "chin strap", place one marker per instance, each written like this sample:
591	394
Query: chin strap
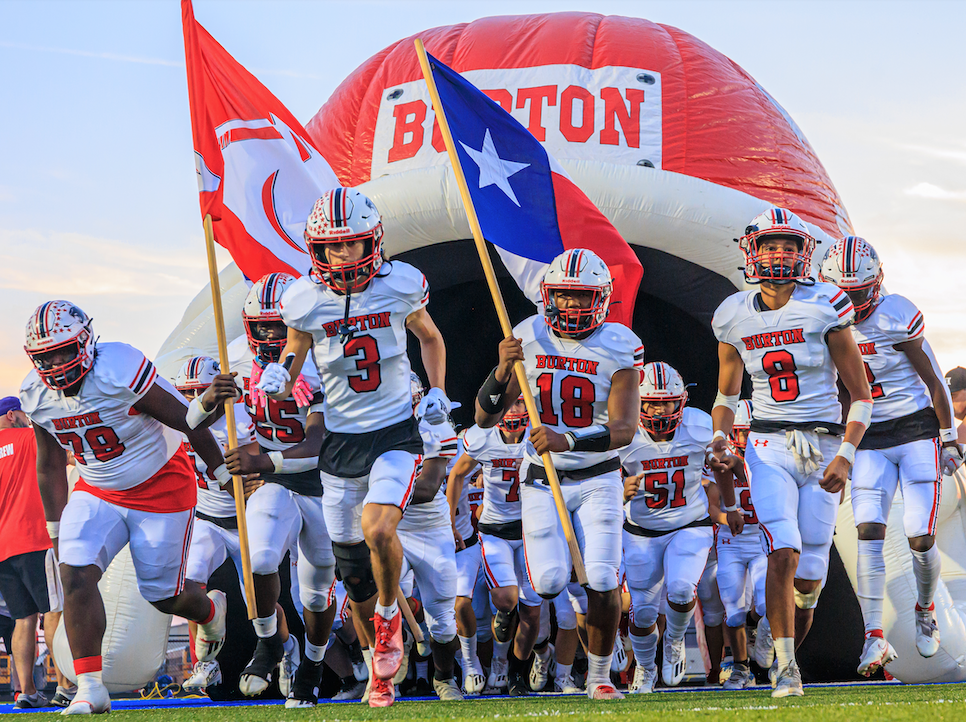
346	332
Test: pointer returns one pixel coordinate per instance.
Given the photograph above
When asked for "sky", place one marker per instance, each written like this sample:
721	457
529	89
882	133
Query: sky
98	197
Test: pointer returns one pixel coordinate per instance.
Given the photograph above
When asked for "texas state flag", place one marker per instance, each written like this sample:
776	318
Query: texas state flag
526	203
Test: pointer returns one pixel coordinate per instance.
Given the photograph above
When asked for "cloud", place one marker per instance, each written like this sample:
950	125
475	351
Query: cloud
944	153
934	192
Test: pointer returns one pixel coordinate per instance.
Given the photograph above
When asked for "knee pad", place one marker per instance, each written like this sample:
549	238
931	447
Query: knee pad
314	600
265	561
552	581
734	621
813	563
643	616
807	600
600	577
355	569
712	616
564	610
680	592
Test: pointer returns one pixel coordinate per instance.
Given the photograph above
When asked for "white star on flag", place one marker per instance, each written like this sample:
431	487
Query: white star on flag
493	169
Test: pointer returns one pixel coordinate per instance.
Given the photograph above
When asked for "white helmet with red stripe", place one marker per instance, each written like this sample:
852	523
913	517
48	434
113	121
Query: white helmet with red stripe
416	388
853	265
661	383
262	315
742	423
196	374
577	270
60	343
775	266
343	215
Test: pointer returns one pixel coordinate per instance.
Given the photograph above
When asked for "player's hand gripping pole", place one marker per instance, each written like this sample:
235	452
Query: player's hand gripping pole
518	369
237	484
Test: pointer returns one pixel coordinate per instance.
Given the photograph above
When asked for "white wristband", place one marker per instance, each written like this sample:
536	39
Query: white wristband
571	440
947	435
291	466
278	461
729	509
196	413
53	529
860	412
222	477
847	452
729	402
719	434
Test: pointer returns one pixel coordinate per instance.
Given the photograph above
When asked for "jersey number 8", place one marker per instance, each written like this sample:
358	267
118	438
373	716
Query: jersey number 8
780	367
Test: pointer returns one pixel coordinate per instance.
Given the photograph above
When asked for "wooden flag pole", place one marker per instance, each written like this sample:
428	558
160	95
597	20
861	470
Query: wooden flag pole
491	281
237	484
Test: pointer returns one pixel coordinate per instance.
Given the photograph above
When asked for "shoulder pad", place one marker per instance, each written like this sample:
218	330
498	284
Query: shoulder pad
298	300
725	314
699	424
834	302
616	337
899	318
122	366
31	392
240	358
528	328
403	279
473	440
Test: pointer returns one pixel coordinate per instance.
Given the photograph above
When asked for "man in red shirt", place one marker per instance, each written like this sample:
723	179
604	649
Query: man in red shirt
28	578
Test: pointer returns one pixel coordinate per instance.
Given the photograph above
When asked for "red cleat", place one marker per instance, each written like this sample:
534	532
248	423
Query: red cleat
388	653
382	693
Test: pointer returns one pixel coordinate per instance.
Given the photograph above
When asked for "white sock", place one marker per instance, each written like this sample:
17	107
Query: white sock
645	649
677	623
598	669
89	679
315	652
784	651
500	649
266	626
563	671
387	612
367	656
289	644
926	565
468	648
871	587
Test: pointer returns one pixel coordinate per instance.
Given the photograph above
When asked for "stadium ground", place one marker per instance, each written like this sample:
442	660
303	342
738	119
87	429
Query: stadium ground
897	703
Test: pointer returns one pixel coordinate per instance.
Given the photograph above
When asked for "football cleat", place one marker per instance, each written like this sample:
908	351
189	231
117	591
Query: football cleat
566	685
927	631
211	636
604	691
63	696
876	652
497	679
741	678
387	655
727	664
540	669
37	700
92	698
408	640
447	690
644	680
382	692
351	689
304	690
773	673
287	667
764	644
675	662
474	682
257	676
789	683
516	686
203	675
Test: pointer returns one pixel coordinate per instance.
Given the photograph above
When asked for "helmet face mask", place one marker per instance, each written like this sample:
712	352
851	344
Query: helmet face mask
582	277
262	317
767	248
416	388
514	419
662	385
60	344
342	216
853	265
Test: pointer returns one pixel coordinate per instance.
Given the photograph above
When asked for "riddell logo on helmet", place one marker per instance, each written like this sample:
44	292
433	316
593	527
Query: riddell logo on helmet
610	114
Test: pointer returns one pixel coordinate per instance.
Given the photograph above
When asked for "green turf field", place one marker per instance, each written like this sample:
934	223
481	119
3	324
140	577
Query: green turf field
930	703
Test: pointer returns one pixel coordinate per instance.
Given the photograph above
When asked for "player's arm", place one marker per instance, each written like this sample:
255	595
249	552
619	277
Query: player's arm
303	456
212	400
730	371
726	499
623	414
714	504
429	479
432	349
454	484
170	410
277	380
848	361
501	389
51	476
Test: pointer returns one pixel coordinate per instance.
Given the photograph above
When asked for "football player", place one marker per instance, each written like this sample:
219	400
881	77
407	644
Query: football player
215	535
667	530
586	374
910	443
352	312
791	335
499	451
740	558
106	404
287	508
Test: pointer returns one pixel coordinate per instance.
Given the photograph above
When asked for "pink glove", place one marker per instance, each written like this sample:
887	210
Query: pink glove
258	396
302	392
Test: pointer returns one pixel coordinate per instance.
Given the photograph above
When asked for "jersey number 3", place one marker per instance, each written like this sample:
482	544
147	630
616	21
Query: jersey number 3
366	353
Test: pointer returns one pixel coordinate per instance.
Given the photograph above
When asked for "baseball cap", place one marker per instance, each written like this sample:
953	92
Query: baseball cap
955	379
9	403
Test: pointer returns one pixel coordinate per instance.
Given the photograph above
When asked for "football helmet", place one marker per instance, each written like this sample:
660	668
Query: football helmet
659	383
853	265
262	306
416	387
60	343
778	267
742	423
196	374
513	422
576	270
342	215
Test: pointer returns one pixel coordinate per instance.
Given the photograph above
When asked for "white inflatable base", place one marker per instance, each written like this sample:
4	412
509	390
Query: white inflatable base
136	639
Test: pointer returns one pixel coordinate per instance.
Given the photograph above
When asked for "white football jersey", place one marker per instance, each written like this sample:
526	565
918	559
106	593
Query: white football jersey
501	472
281	424
792	373
116	448
439	442
366	379
897	389
219	503
571	380
671	494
